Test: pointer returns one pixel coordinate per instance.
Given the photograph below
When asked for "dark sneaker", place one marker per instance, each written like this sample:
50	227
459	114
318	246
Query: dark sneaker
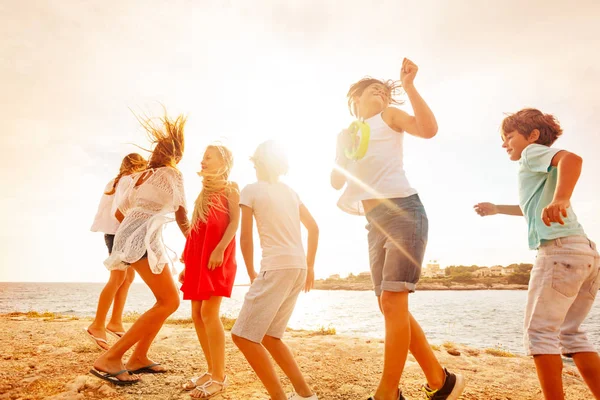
452	389
400	397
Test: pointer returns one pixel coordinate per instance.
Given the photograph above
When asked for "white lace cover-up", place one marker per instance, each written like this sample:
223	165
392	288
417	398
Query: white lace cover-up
147	208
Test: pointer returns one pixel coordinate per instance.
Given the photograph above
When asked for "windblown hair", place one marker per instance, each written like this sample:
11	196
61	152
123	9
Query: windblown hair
131	163
213	186
166	135
270	160
393	89
528	119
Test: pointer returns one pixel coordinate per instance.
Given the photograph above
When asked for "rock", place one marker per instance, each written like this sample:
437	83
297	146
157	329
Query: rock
106	390
30	380
44	348
92	383
77	384
453	352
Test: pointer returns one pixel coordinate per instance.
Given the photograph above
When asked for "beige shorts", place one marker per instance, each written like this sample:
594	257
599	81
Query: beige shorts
269	304
563	286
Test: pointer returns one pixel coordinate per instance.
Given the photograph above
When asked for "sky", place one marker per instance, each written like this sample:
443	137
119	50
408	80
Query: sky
73	74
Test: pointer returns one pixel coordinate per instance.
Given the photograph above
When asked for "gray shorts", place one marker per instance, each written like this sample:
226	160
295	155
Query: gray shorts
397	240
269	304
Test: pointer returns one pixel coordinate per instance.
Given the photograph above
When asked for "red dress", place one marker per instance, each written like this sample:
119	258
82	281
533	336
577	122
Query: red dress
200	283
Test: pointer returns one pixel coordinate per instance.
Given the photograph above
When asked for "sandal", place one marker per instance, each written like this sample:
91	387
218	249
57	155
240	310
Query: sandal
96	340
191	384
203	389
112	378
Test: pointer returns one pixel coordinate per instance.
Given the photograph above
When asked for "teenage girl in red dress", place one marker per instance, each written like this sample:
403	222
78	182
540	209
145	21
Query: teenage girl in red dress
210	266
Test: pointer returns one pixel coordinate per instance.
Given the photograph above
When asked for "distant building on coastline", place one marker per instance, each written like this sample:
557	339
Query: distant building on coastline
334	276
432	270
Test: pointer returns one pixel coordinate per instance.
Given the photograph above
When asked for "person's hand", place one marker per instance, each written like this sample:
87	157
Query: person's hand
181	277
485	209
252	274
216	258
310	280
408	72
555	211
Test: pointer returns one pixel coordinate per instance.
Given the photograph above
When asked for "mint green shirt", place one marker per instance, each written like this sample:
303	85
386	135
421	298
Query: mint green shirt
537	184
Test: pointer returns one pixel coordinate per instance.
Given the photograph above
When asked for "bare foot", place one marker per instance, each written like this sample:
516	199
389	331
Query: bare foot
111	366
147	364
98	334
116	328
209	390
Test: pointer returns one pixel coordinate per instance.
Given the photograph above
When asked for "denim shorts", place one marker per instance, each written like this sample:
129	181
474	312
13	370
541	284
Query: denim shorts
562	288
398	231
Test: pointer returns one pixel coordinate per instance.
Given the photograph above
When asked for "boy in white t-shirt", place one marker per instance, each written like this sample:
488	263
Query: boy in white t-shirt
285	271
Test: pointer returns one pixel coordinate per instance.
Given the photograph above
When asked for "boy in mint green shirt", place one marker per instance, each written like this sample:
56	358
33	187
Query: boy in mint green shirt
566	275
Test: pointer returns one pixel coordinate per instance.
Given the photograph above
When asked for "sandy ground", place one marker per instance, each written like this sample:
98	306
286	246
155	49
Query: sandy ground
50	357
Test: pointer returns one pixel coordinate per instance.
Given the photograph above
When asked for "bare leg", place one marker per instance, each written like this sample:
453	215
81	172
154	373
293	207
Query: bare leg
397	342
549	371
258	358
116	319
588	365
216	341
146	327
285	359
107	296
420	348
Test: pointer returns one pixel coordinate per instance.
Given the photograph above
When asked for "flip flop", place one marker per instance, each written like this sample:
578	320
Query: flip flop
95	339
117	335
148	370
112	378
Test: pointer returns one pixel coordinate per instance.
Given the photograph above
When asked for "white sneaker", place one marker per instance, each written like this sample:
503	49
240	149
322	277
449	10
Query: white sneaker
296	396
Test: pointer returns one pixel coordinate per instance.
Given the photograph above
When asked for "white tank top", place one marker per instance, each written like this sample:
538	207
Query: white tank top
380	173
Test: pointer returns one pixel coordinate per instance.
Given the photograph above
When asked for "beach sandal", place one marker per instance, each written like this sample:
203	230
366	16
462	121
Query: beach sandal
203	389
191	384
112	378
116	335
95	339
148	370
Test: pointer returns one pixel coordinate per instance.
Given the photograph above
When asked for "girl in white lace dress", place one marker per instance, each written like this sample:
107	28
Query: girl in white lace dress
118	283
155	195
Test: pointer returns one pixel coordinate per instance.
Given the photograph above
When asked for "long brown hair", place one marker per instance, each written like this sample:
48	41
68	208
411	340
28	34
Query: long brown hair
393	89
213	184
131	163
167	137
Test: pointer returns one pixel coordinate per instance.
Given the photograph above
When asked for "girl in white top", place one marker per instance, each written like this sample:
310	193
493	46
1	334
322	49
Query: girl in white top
119	281
376	186
156	194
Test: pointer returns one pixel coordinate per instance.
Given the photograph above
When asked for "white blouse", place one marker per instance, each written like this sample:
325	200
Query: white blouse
105	220
147	208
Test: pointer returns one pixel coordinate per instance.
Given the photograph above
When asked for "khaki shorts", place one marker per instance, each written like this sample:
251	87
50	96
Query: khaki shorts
562	288
269	304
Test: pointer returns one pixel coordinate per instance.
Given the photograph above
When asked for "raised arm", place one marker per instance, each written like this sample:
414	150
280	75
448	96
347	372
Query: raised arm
423	124
247	242
313	240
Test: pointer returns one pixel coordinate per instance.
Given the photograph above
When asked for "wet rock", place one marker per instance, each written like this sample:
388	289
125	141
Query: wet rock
453	352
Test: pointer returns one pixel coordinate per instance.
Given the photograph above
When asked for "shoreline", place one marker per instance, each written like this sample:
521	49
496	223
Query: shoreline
367	286
47	356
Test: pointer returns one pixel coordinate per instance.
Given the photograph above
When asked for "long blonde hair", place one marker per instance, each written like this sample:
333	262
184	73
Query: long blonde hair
214	184
131	163
167	136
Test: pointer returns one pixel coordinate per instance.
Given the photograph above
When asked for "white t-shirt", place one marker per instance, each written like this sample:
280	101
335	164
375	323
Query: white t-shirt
105	220
276	208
